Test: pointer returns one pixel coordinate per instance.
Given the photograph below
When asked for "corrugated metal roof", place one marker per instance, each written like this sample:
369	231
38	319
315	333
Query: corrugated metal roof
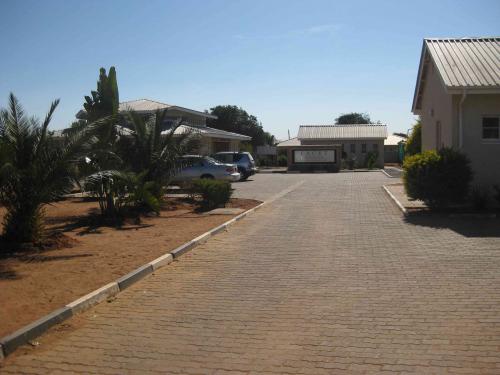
289	142
353	131
143	105
148	105
205	131
467	62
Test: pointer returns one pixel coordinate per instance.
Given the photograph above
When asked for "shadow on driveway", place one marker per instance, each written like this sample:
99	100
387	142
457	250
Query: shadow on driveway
466	226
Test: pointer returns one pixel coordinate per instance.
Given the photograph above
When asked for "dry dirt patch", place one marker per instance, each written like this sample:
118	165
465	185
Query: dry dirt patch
86	256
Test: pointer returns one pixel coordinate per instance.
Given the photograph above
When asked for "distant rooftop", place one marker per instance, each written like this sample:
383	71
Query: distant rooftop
337	132
148	105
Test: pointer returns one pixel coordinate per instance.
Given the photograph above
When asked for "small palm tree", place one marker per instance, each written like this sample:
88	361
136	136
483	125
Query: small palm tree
155	154
154	150
35	169
148	158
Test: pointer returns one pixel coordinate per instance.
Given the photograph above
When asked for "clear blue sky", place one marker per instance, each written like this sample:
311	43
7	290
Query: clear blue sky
287	62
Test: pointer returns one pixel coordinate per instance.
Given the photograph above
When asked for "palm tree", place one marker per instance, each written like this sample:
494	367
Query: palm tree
148	158
154	150
35	169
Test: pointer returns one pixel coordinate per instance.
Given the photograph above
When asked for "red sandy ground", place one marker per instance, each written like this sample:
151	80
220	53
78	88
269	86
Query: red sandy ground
36	282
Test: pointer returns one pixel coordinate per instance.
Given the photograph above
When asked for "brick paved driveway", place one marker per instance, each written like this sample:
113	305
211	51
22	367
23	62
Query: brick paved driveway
328	279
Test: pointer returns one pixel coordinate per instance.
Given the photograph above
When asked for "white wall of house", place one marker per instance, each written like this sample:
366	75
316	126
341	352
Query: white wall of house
483	153
439	107
436	113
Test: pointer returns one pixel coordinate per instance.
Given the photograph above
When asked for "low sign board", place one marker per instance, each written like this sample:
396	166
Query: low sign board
314	156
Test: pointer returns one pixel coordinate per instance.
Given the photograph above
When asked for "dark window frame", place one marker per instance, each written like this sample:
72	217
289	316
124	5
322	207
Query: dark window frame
495	129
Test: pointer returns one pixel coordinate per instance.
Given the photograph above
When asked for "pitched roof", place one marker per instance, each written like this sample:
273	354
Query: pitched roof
289	142
206	131
203	131
147	105
352	131
466	63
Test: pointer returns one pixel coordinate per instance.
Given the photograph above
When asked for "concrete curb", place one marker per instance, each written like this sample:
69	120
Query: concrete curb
131	278
22	336
387	174
93	298
162	261
395	200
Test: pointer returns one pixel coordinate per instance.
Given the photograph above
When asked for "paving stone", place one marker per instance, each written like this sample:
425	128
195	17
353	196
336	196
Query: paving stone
330	278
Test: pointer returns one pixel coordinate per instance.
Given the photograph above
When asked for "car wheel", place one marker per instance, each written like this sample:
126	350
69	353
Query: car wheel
243	173
207	177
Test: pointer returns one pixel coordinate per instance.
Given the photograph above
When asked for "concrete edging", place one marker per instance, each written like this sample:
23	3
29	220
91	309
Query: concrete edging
23	335
29	332
387	174
395	200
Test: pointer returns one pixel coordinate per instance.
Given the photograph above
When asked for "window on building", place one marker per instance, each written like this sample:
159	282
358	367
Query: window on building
491	127
363	148
353	148
375	147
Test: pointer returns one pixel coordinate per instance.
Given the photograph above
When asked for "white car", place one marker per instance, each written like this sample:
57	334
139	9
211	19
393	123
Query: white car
196	166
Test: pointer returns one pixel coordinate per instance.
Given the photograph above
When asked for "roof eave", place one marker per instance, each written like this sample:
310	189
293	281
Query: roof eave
472	90
419	75
193	112
343	139
233	137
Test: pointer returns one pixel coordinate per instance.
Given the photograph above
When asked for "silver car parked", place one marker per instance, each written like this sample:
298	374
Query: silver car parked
243	160
197	166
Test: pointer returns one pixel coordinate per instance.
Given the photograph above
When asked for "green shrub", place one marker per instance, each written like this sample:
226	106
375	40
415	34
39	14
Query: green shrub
437	178
262	162
371	159
214	193
480	197
282	160
414	142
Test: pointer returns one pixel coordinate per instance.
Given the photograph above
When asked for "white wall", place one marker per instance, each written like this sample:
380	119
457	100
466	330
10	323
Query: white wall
484	154
436	107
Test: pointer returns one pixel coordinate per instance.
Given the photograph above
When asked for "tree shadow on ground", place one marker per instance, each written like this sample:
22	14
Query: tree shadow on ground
8	274
92	224
42	258
467	226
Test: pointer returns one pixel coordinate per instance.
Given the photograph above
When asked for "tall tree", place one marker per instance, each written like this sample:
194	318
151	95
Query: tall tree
235	119
353	118
105	100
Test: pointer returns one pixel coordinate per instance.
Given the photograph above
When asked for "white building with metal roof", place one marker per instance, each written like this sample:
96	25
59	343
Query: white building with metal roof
350	146
212	140
457	96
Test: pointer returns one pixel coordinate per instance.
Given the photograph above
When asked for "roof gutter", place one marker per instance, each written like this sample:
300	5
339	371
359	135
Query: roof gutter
460	119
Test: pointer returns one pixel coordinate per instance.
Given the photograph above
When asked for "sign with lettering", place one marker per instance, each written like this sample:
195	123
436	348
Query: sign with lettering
314	156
